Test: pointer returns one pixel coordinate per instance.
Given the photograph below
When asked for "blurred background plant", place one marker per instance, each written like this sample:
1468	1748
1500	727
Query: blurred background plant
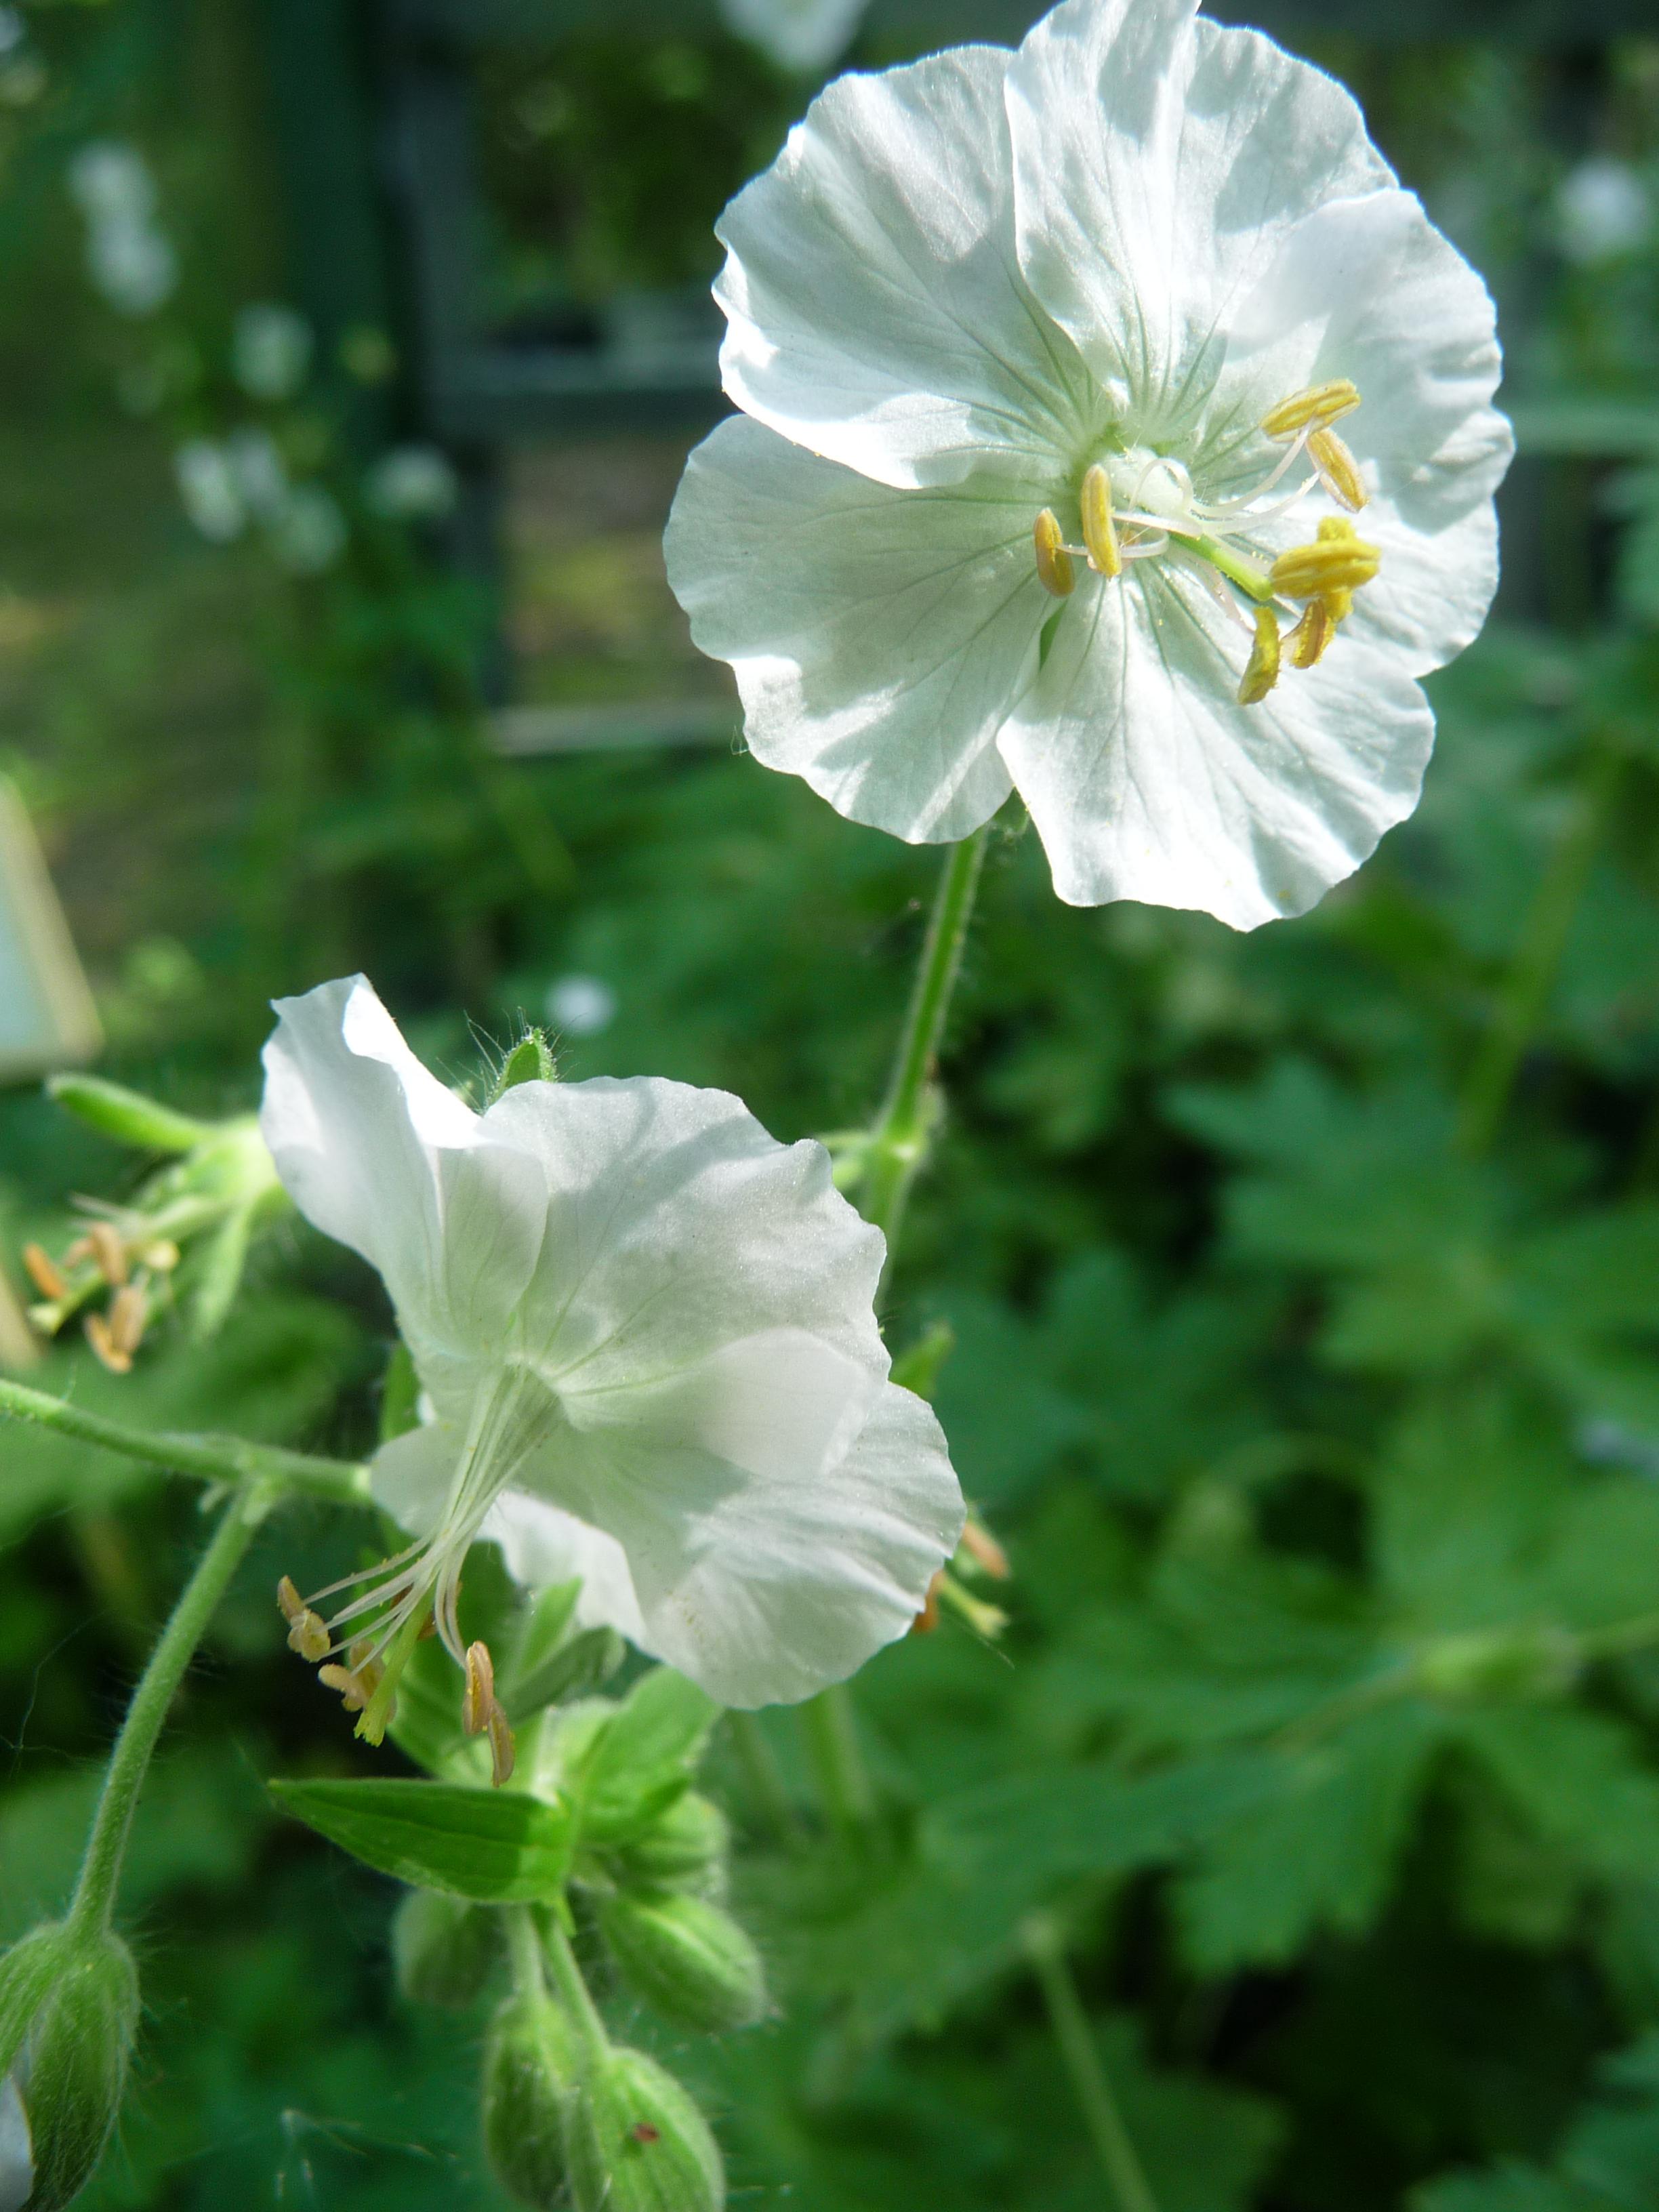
1303	1288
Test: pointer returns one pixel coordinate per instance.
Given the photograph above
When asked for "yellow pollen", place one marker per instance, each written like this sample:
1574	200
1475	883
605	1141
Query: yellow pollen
1320	403
1053	563
42	1272
1338	561
1312	634
1261	672
1338	472
1099	531
307	1632
128	1312
109	1251
101	1339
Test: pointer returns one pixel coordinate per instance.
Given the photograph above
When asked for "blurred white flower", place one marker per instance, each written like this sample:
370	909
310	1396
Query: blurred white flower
256	463
1603	209
17	2150
309	533
130	257
209	490
580	1006
13	30
412	483
112	183
647	1332
799	34
271	347
1038	485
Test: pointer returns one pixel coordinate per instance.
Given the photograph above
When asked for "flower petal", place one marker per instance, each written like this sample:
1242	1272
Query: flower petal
766	1590
1147	781
542	1546
1159	161
878	637
876	310
377	1153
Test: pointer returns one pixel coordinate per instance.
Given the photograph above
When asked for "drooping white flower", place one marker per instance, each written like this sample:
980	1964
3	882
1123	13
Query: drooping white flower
645	1330
412	483
309	533
129	258
1042	356
799	34
1603	210
208	489
270	349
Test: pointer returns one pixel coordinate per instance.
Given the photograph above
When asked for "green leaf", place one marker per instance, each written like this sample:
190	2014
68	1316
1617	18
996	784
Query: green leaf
496	1847
573	1668
644	1756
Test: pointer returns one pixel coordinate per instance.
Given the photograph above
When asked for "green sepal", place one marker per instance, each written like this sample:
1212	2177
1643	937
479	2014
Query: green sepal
127	1116
572	1670
686	1959
635	2142
919	1366
641	1760
530	1061
531	2069
496	1847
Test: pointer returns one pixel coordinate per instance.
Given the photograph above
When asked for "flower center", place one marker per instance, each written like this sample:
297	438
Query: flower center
415	1593
1139	504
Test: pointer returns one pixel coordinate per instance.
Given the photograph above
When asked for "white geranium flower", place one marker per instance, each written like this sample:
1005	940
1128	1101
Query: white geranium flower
1603	210
271	350
1039	487
646	1332
799	34
208	489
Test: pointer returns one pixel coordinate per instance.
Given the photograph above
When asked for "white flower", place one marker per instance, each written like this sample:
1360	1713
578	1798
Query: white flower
1042	356
209	490
129	258
271	347
799	34
261	475
581	1005
412	483
646	1331
112	181
1603	210
17	2150
309	533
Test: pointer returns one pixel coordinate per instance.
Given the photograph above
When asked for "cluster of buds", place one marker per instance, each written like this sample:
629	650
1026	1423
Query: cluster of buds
980	1557
119	1266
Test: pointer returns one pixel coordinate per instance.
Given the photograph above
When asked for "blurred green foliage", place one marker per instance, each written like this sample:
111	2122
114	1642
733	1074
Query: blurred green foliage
1304	1287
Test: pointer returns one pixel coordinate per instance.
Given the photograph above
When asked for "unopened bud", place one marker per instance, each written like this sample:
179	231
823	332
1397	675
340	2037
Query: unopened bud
635	2142
689	1960
126	1116
685	1849
442	1947
1500	1663
68	2009
530	2075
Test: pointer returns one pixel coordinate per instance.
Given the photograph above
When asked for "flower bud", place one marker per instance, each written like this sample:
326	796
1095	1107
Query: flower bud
442	1948
69	2008
530	2073
686	1849
635	2142
1541	1662
689	1960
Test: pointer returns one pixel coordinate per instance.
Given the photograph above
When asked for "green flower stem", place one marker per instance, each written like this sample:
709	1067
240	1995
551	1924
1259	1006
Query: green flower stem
524	1951
897	1144
93	1903
1119	2161
832	1746
1233	566
211	1459
1526	989
572	1990
762	1775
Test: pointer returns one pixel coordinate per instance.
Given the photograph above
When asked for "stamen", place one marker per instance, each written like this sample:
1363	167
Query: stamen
307	1632
1308	641
1319	404
1053	563
1099	531
503	1751
983	1547
103	1343
1338	472
1338	561
109	1252
927	1620
1261	672
480	1693
43	1273
129	1311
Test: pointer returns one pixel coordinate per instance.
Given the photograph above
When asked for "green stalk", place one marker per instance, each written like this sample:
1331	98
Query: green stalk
211	1459
94	1904
524	1951
845	1789
763	1776
1531	978
572	1990
1080	2051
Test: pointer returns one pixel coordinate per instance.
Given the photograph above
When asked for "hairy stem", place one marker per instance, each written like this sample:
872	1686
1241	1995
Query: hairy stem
572	1990
94	1902
524	1951
1080	2053
211	1459
762	1775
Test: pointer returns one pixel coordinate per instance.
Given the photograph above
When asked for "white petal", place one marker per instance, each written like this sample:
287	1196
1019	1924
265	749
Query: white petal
878	637
876	310
543	1546
765	1591
1147	781
17	2151
376	1153
1158	163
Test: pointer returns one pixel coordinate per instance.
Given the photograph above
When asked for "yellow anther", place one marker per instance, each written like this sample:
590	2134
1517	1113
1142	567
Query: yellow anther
1320	403
503	1751
1099	530
162	1256
1312	634
128	1312
1337	561
1053	563
109	1252
99	1336
983	1549
354	1690
43	1273
1261	672
1338	472
308	1633
479	1696
927	1620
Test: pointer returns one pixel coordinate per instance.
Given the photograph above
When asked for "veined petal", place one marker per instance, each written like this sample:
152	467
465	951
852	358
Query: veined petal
878	637
876	310
1146	779
543	1545
377	1153
1159	161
